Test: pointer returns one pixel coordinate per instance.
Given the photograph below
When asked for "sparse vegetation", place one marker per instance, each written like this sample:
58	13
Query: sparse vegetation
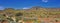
34	14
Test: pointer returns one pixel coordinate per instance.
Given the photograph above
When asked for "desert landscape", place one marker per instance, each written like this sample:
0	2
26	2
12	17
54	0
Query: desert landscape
33	15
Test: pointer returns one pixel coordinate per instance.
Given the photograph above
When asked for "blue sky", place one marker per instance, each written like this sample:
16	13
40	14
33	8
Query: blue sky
19	4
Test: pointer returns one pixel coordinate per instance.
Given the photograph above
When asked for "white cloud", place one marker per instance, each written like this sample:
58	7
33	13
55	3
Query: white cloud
1	7
45	1
25	8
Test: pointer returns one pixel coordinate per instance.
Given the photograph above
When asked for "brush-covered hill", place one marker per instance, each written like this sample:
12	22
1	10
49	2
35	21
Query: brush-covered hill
30	15
40	11
34	11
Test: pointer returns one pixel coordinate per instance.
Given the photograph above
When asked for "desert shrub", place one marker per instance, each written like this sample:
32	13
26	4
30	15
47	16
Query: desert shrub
19	14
